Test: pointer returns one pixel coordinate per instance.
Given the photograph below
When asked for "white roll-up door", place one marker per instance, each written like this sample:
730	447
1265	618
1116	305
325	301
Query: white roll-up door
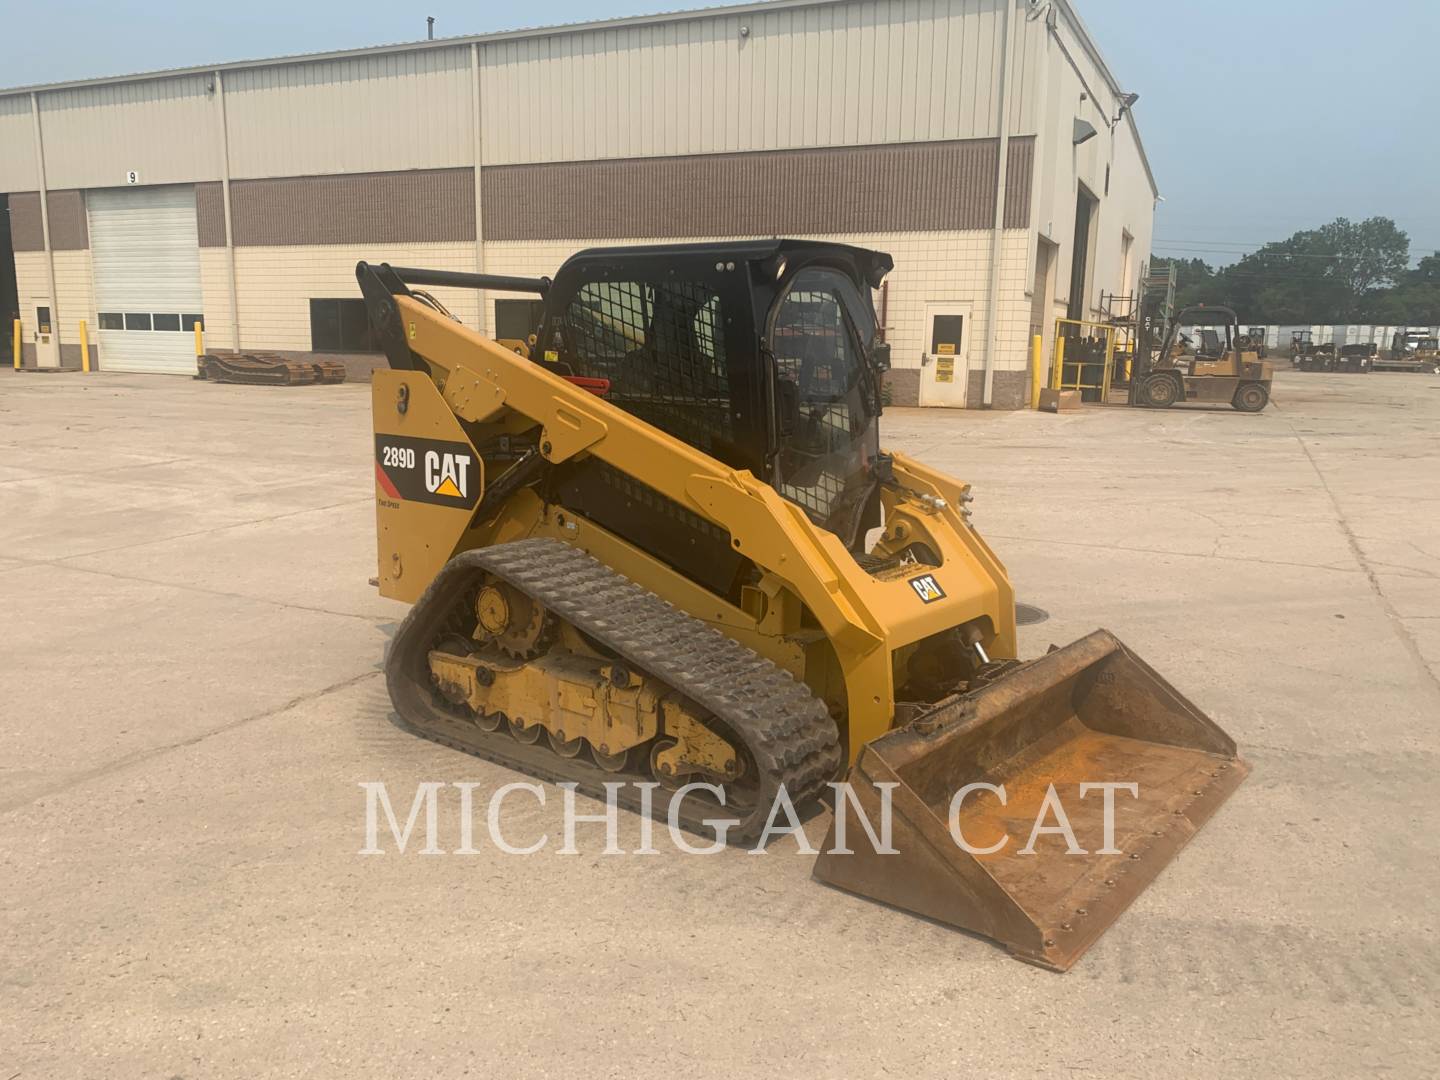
146	252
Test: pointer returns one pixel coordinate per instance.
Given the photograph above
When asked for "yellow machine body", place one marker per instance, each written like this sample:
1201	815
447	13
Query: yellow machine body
865	620
847	633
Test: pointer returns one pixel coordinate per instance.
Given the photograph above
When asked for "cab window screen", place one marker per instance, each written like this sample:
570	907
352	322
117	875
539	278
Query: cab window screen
662	347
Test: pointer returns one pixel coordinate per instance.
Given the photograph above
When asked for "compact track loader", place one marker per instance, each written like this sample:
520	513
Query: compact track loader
659	543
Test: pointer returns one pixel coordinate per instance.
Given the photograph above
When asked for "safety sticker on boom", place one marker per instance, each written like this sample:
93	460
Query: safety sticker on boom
426	470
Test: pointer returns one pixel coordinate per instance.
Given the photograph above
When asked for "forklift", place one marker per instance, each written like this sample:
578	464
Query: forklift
1223	368
1254	337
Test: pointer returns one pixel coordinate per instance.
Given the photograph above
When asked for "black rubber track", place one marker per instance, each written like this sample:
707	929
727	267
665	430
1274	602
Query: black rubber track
789	734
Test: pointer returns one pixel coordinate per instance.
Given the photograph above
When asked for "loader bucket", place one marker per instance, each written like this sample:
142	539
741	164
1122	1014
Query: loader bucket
1089	713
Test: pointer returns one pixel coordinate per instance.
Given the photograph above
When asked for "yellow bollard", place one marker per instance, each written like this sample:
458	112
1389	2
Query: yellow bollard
1037	368
84	348
17	344
199	339
1059	362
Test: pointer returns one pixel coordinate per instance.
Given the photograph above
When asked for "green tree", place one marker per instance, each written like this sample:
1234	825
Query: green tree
1413	303
1338	273
1427	272
1370	254
1194	281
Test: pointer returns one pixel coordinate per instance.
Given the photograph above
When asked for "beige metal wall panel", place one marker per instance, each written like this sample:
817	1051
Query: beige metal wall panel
385	111
398	207
163	129
17	145
68	230
859	73
913	187
1111	166
1027	98
27	231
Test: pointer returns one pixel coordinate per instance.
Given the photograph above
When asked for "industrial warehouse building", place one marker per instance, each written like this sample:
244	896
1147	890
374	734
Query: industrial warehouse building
983	143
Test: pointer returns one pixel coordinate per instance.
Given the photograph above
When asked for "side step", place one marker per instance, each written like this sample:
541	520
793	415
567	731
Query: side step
1090	713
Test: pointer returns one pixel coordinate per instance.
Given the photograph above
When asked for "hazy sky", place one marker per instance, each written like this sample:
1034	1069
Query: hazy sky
1260	116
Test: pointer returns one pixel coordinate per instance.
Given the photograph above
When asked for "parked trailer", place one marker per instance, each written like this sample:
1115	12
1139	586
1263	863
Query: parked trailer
1411	350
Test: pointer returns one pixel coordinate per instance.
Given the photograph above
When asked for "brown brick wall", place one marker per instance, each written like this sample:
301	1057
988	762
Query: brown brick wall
904	386
210	213
908	187
403	207
70	356
68	228
27	233
1010	390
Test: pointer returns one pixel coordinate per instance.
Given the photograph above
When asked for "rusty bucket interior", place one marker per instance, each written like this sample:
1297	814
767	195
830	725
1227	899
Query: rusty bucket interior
1091	713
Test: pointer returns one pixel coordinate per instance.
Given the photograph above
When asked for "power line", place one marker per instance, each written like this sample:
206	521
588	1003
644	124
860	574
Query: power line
1267	254
1224	248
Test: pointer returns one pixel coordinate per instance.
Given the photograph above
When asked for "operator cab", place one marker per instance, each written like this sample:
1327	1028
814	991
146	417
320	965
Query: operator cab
765	355
1219	350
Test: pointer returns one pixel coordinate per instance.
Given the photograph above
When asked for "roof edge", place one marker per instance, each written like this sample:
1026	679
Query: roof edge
623	22
1087	42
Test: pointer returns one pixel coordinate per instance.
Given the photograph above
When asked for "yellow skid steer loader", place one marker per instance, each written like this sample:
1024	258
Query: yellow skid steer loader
659	543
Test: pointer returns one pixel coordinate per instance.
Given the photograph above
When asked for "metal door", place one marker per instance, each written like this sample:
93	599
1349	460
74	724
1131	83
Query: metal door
47	342
944	365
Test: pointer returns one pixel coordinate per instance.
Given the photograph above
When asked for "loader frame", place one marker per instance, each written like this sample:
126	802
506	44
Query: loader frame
866	620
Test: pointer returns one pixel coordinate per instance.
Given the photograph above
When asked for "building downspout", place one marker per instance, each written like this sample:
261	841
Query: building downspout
992	329
45	232
229	216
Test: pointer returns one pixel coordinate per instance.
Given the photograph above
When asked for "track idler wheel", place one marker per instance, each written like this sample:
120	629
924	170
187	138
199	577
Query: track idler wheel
670	781
566	748
611	763
527	735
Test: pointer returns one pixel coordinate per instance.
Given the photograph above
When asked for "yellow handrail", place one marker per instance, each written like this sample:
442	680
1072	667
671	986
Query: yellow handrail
1057	374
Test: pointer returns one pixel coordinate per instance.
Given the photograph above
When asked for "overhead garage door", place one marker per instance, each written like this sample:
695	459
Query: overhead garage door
146	253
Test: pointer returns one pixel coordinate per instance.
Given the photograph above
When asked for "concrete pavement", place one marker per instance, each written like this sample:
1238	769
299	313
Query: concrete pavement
191	701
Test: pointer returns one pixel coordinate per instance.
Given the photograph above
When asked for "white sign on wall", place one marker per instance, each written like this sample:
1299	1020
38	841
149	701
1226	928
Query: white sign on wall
132	177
